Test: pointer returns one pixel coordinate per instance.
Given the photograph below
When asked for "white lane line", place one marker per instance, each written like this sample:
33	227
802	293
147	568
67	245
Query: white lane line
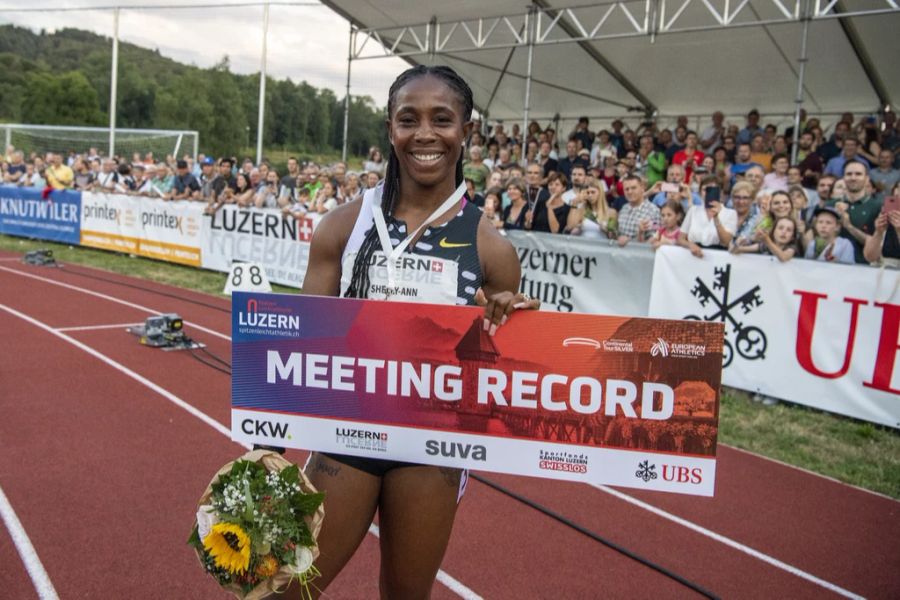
728	542
33	565
11	259
452	584
110	298
93	327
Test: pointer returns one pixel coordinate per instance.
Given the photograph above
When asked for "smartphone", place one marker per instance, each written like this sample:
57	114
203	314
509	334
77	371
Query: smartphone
713	194
891	203
670	187
606	154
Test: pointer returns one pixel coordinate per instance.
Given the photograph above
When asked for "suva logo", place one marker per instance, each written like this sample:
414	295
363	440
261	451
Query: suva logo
455	449
660	348
265	428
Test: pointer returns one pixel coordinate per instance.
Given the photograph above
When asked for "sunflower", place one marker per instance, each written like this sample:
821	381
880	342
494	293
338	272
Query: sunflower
229	545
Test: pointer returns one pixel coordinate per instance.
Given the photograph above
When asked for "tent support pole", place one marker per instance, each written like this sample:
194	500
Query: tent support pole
531	33
795	146
113	83
260	122
347	94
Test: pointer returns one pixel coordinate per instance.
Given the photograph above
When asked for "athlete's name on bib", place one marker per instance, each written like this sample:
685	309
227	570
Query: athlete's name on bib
519	389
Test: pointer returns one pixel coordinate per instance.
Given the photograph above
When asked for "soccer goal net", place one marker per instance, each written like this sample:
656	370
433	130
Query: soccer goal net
128	142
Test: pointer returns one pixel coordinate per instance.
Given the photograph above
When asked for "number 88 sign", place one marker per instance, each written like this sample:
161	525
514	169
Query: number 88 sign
246	277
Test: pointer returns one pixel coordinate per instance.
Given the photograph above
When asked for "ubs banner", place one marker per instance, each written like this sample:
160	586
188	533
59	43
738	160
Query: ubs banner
167	231
615	400
262	236
824	335
25	212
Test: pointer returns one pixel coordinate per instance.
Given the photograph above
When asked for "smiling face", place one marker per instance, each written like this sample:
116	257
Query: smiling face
780	205
427	129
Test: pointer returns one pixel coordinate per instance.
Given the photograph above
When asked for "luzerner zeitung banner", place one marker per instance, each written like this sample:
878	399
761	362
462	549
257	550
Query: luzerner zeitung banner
823	335
578	397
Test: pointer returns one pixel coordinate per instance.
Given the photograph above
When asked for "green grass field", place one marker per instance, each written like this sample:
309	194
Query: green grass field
858	453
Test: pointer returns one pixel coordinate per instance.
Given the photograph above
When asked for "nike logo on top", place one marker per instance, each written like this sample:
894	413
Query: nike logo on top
445	244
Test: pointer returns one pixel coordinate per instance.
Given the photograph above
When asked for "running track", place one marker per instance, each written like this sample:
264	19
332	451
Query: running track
108	445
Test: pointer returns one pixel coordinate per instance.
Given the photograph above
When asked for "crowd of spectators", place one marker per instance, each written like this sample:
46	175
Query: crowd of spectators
731	187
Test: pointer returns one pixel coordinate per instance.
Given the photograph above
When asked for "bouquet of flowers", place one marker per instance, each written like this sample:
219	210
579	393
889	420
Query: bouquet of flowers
257	524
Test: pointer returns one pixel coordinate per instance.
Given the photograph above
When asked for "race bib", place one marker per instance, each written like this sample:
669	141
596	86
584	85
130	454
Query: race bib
414	278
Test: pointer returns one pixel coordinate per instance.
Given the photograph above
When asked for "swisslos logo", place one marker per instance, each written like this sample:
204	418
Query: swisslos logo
269	316
670	473
455	450
268	429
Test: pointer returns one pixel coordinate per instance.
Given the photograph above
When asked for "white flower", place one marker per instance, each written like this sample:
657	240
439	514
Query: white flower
304	561
205	520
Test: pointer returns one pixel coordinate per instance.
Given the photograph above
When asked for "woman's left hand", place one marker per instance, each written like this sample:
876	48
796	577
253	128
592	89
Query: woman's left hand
499	307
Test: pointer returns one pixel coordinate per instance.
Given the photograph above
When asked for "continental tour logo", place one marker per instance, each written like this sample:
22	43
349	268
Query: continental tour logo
266	317
361	439
611	345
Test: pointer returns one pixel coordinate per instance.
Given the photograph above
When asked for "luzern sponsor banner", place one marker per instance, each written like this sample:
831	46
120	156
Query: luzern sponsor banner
25	212
576	397
168	231
823	335
263	236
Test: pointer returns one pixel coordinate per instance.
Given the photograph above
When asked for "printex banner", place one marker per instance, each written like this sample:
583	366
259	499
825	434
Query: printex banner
26	212
823	335
578	397
262	236
571	274
168	231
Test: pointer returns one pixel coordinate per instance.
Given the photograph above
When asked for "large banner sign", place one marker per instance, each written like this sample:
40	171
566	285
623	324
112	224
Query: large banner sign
571	274
613	400
167	231
25	212
823	335
263	236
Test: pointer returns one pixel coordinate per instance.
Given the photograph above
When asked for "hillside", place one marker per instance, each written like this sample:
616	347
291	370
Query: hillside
62	78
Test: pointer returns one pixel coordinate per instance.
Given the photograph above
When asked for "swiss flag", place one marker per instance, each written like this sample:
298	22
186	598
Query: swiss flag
437	267
304	229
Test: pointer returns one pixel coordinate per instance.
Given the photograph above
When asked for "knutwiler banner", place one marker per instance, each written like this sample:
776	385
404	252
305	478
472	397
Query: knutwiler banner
262	236
613	400
823	335
27	212
572	274
167	231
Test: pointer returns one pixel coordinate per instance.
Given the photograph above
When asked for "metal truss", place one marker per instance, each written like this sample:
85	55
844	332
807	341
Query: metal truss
599	21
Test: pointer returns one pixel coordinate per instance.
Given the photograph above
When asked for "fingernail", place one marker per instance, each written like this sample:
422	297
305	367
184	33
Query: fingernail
493	330
487	324
503	320
519	305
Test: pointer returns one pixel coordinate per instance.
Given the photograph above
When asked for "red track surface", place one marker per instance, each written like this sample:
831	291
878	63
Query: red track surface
104	474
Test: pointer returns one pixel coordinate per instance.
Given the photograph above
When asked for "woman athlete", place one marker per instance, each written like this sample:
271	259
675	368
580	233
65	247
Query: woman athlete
429	119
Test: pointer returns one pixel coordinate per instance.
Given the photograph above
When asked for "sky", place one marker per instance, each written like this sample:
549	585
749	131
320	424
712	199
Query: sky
304	42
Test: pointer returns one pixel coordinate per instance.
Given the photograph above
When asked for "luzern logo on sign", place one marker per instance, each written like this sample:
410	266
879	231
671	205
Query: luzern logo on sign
261	224
361	439
266	317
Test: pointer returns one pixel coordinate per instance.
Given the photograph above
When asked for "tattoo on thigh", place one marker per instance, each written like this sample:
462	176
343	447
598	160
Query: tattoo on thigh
317	465
451	476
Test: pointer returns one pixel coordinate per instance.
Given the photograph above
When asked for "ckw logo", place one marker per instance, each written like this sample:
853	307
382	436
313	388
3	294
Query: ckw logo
660	348
267	429
749	340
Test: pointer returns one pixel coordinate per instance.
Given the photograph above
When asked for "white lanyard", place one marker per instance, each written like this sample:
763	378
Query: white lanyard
393	253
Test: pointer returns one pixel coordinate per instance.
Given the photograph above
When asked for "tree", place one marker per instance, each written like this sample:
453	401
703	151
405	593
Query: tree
66	99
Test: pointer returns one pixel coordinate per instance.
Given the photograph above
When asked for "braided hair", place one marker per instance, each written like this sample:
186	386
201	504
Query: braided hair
359	282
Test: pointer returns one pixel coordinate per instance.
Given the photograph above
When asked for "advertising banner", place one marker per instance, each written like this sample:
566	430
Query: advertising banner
262	236
823	335
25	212
168	231
614	400
571	274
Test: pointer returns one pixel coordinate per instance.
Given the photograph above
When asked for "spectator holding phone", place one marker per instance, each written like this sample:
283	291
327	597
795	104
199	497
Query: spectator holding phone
712	224
782	243
491	208
674	188
593	217
827	245
883	246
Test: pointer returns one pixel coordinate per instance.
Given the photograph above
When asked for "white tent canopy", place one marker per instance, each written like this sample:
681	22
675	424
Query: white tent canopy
667	57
